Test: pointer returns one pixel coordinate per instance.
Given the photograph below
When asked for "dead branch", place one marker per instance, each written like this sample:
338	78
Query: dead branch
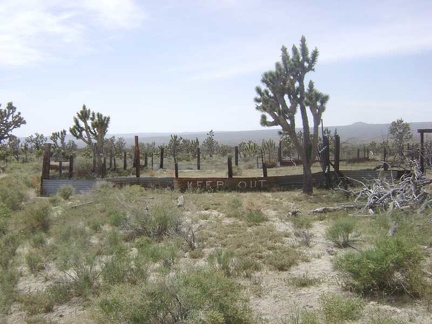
335	208
382	194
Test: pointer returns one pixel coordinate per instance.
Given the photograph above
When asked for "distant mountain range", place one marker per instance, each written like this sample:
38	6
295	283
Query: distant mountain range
355	133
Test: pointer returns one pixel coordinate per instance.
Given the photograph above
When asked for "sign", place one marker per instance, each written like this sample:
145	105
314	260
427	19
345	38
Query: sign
215	184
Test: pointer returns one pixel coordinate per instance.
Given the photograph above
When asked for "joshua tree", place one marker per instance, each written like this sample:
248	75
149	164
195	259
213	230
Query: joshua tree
400	134
210	144
285	93
9	120
91	128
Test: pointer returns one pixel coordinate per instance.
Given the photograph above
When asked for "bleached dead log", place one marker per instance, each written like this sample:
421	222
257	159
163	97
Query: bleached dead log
334	208
380	194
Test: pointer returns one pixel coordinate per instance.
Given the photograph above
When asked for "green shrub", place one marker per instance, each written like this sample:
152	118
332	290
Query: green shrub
12	193
9	242
255	216
234	207
191	296
339	232
156	222
117	218
65	191
223	260
123	268
35	217
37	303
339	309
34	262
393	265
166	253
8	280
304	281
302	221
283	259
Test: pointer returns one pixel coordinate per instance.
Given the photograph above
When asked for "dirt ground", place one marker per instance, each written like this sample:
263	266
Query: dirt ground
272	297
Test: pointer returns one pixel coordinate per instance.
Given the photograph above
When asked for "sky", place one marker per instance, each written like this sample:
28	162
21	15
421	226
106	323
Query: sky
178	66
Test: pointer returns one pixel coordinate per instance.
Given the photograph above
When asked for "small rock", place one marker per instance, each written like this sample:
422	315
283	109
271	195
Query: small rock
180	201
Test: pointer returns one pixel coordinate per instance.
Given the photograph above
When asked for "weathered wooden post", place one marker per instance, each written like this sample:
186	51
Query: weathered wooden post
422	150
45	166
137	158
280	152
385	166
364	151
176	170
145	160
198	158
60	168
236	154
337	154
230	169
326	161
161	164
71	162
152	160
358	154
104	168
264	168
124	161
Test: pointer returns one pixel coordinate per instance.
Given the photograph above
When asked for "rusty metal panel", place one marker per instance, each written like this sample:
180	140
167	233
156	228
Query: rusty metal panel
234	184
50	187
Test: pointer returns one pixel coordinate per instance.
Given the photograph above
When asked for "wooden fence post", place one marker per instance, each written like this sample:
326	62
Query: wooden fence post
198	158
176	170
161	165
124	161
337	154
422	151
326	160
45	165
104	168
264	170
145	160
236	154
280	152
385	166
137	158
230	169
71	162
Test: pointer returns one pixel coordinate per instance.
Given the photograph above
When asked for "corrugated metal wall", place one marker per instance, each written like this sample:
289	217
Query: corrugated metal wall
50	187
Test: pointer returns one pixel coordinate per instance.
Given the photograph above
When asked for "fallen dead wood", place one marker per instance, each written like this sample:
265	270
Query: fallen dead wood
405	193
334	208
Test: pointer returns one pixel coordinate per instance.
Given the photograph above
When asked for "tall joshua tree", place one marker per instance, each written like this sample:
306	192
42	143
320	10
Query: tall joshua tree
10	119
91	128
284	94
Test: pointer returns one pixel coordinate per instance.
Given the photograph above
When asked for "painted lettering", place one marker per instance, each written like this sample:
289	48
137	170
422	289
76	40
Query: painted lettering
199	184
220	184
189	184
208	184
253	184
242	184
262	183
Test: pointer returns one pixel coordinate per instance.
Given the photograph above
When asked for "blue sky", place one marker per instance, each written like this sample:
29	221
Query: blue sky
193	65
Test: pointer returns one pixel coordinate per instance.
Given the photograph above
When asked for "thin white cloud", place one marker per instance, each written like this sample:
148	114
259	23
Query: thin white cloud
33	30
375	30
